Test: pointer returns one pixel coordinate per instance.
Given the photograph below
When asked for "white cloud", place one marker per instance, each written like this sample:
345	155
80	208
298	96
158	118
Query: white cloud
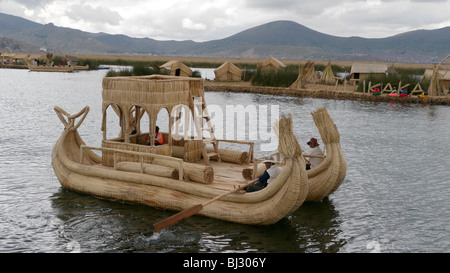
189	24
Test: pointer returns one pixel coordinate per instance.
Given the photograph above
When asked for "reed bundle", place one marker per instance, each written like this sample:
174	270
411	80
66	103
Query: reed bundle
287	143
152	169
327	75
247	173
233	156
190	152
193	172
327	129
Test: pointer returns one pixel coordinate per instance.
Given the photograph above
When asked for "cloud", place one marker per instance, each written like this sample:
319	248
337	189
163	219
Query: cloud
89	14
189	24
201	20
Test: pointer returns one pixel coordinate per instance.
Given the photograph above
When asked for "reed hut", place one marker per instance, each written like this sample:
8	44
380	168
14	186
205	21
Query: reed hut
228	72
271	63
177	68
360	71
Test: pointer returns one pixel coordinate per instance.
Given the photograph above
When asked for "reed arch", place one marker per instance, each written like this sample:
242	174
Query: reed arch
435	88
119	113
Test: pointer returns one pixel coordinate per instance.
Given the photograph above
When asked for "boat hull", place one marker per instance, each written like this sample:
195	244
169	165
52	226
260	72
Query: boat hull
43	68
282	197
327	177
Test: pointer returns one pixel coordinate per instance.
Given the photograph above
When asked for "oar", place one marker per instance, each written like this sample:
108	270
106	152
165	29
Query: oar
172	220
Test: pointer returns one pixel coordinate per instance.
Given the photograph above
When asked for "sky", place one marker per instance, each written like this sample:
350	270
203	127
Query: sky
203	20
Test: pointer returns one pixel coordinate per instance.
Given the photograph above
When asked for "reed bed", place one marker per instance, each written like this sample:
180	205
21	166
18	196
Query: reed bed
324	94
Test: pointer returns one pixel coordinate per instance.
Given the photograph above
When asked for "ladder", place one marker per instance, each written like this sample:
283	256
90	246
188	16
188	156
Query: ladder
203	114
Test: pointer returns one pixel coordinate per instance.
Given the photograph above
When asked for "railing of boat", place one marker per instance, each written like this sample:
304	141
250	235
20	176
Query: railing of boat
140	154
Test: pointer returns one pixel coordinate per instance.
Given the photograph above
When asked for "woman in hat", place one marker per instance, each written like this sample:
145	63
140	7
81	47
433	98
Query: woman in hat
269	175
315	151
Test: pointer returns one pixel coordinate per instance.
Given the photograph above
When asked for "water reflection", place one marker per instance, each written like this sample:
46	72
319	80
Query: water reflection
88	222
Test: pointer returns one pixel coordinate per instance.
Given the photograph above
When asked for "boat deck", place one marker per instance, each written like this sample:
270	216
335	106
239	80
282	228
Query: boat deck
227	175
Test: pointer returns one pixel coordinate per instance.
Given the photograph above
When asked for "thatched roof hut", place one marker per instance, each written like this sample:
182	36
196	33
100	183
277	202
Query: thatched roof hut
360	71
271	63
228	72
177	68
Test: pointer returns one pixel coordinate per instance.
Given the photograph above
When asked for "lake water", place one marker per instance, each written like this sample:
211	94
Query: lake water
395	197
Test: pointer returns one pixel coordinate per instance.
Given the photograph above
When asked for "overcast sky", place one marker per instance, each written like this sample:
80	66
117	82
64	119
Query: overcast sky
203	20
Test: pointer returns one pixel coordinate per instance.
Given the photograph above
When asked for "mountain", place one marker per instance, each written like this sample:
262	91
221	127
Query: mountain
279	39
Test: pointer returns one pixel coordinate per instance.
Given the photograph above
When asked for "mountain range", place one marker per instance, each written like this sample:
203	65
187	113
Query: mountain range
279	39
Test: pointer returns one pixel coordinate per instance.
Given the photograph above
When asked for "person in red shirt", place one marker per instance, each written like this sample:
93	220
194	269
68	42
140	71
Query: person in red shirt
158	137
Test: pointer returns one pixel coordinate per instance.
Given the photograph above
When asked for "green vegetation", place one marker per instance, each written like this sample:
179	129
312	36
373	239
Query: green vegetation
258	77
275	78
138	70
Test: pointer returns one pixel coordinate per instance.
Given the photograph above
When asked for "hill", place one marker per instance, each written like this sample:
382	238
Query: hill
280	39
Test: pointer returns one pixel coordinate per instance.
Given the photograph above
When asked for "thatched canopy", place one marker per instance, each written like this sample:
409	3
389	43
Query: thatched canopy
149	94
228	72
271	63
177	68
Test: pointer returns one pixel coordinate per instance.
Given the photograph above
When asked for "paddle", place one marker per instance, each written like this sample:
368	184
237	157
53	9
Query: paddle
194	209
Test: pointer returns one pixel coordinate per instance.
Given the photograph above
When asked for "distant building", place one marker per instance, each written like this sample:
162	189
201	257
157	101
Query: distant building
228	72
177	68
361	70
271	63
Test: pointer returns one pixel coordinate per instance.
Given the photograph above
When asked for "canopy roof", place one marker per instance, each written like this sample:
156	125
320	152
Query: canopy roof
368	68
152	93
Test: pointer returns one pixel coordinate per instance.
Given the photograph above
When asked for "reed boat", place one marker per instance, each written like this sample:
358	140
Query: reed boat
47	68
186	171
325	178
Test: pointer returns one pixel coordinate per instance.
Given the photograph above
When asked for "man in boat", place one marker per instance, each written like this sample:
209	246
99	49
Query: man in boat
316	152
269	175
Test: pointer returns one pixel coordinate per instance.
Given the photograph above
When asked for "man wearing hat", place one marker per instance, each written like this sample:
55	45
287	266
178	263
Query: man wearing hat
316	151
269	175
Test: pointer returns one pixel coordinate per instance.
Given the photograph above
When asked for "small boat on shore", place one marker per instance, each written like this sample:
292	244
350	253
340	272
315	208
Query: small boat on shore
48	68
183	172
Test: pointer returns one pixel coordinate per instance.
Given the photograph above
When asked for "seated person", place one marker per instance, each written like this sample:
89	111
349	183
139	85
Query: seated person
158	138
272	171
315	150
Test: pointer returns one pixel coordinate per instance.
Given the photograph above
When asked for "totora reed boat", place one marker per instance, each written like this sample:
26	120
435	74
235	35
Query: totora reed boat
48	68
188	172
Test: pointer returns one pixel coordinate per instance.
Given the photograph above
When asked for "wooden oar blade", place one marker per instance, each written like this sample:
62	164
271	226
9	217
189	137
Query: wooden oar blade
172	220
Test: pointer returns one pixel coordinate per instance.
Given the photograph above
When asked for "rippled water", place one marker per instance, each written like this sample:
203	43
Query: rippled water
395	197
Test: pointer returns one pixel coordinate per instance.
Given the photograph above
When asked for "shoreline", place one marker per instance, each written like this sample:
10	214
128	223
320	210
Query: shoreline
320	91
